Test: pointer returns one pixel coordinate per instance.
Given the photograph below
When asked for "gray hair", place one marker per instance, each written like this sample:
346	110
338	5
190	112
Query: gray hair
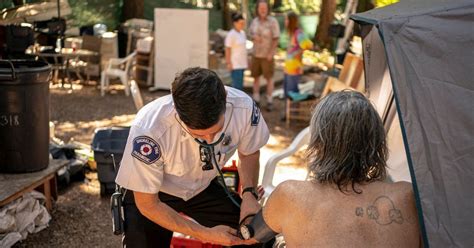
347	144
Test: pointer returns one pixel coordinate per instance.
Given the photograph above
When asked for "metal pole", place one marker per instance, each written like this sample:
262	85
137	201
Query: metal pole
342	44
59	10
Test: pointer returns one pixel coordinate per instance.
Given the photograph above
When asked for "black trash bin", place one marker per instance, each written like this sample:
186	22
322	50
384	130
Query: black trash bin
24	116
107	141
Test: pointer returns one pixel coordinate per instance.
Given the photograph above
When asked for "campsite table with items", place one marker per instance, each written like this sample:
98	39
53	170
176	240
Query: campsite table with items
13	186
61	61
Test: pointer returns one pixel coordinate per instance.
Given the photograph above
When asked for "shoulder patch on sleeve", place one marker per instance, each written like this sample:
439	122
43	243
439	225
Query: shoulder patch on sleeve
146	149
255	119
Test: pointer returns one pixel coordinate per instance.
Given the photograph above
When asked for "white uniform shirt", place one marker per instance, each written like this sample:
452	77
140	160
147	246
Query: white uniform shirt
161	156
238	53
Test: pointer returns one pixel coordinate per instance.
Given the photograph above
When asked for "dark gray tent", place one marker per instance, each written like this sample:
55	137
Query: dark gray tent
419	64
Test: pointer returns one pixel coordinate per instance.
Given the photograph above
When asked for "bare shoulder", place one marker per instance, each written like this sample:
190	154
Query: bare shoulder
402	197
402	185
288	193
403	191
290	184
282	191
400	193
290	188
282	200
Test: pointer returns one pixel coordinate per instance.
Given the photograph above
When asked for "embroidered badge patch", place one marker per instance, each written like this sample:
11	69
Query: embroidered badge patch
146	149
227	140
255	115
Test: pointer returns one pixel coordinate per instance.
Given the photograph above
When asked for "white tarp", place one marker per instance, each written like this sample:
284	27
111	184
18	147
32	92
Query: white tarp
22	216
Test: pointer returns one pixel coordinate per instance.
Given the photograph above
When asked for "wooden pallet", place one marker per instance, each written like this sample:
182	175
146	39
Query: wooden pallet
13	186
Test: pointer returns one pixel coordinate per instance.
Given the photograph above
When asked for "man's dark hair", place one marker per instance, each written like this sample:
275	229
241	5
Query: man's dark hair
347	144
237	17
199	97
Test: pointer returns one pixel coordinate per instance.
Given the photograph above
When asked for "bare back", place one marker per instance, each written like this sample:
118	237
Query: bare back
313	215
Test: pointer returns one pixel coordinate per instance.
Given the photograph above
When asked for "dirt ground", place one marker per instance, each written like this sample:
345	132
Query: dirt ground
81	218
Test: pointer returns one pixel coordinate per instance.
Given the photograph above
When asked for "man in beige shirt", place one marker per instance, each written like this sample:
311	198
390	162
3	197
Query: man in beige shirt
264	32
346	203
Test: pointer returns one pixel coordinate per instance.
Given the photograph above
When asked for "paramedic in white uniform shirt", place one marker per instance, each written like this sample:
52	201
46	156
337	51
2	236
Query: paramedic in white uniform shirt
168	170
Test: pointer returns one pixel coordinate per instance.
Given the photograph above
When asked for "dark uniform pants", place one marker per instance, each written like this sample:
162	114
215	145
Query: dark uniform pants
209	208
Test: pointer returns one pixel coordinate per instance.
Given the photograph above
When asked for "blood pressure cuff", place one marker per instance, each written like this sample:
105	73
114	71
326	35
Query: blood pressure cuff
261	231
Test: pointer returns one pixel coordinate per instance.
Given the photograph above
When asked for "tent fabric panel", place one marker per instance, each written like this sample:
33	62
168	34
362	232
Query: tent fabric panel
431	63
380	93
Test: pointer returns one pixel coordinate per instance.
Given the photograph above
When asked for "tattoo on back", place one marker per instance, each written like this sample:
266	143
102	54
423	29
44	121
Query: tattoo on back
359	211
377	211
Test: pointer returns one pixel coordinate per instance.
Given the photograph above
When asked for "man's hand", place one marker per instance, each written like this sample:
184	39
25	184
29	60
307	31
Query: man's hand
224	235
229	66
248	206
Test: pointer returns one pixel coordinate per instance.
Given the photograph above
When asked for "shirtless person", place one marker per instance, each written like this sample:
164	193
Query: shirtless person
346	203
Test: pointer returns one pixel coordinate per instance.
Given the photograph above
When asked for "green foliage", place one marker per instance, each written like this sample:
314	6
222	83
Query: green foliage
90	12
299	6
303	7
341	5
308	6
86	12
5	4
214	8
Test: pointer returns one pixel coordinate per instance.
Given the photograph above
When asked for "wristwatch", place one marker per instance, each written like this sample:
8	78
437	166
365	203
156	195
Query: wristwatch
251	190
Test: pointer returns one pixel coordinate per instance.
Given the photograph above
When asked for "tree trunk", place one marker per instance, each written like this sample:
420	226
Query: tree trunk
326	16
133	9
245	11
364	5
277	4
18	2
226	19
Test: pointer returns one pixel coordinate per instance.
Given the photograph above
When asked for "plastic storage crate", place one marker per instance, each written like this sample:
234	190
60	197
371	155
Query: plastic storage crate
182	242
108	141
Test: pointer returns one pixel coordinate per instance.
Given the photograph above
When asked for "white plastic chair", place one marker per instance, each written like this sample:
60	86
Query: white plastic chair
117	68
300	140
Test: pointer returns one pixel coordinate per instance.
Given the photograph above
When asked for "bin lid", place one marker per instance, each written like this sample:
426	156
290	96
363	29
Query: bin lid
23	66
111	139
10	69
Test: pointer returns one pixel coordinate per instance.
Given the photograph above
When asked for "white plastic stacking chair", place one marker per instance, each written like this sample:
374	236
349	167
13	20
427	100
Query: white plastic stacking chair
299	141
117	68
